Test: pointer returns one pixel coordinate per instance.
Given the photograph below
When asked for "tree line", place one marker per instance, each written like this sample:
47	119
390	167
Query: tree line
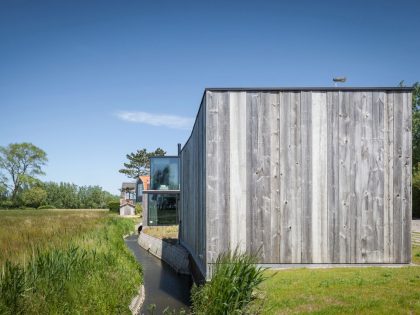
416	149
20	166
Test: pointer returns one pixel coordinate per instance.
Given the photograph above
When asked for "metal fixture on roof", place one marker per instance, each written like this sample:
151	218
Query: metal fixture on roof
339	79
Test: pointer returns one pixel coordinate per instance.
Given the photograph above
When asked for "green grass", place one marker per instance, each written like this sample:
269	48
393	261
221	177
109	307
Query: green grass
369	290
415	254
168	233
65	262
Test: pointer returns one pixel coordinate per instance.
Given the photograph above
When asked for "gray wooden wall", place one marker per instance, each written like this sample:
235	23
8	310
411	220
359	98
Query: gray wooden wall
300	176
192	198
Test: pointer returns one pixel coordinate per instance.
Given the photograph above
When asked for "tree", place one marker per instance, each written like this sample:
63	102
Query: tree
34	197
21	162
3	187
139	163
416	125
416	149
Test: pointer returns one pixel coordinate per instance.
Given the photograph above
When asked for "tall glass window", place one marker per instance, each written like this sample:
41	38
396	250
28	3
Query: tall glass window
163	209
164	173
164	176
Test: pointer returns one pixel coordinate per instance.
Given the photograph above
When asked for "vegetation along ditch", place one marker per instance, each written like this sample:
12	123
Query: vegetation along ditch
63	262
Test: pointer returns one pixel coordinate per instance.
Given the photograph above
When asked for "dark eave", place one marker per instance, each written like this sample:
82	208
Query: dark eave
297	89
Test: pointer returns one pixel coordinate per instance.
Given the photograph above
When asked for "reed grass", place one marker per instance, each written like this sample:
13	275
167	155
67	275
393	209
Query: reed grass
86	269
232	287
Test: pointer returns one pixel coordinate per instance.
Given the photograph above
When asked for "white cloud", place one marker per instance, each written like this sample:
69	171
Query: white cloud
170	121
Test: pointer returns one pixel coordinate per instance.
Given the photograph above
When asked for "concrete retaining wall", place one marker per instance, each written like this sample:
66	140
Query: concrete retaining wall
174	255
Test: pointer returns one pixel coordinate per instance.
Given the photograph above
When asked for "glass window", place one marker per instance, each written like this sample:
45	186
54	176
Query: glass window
163	209
164	173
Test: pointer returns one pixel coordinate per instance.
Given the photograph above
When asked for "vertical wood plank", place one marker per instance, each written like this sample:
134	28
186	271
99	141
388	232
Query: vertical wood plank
377	182
238	180
345	113
264	169
319	178
333	180
223	166
306	140
390	176
275	177
366	185
406	179
398	180
249	175
386	256
285	210
212	177
257	173
295	189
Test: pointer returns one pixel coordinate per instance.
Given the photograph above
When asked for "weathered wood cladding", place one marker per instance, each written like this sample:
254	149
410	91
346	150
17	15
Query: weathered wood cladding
193	193
320	176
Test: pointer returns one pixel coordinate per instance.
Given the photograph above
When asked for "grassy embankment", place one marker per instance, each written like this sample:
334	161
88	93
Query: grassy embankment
369	290
168	233
62	262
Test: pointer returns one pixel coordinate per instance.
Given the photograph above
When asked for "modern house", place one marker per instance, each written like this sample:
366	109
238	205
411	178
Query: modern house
161	205
299	176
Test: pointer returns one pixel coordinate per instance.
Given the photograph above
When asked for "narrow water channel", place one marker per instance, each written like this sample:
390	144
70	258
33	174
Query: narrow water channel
163	286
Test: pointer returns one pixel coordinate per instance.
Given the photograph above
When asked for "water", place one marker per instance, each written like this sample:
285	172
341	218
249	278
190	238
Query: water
163	286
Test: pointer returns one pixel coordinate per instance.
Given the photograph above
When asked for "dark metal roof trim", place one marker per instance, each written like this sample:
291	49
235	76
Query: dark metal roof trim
161	191
297	89
164	156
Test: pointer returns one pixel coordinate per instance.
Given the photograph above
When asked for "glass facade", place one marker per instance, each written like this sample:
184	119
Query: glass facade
164	173
163	209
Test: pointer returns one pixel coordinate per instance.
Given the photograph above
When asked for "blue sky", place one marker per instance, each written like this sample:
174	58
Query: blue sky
89	81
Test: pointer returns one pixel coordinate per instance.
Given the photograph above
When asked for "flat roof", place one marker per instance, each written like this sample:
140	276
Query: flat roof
317	88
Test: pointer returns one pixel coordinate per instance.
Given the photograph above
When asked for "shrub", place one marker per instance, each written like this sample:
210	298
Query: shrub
139	209
34	197
6	204
114	206
230	291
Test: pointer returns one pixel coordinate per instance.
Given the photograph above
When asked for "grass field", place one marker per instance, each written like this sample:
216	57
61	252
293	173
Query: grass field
369	290
65	262
168	233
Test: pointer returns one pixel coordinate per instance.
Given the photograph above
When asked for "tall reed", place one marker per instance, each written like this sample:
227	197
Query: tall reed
230	291
75	278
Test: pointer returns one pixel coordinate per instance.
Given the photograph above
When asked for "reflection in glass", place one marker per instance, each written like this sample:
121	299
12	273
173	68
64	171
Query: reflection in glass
164	173
162	209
